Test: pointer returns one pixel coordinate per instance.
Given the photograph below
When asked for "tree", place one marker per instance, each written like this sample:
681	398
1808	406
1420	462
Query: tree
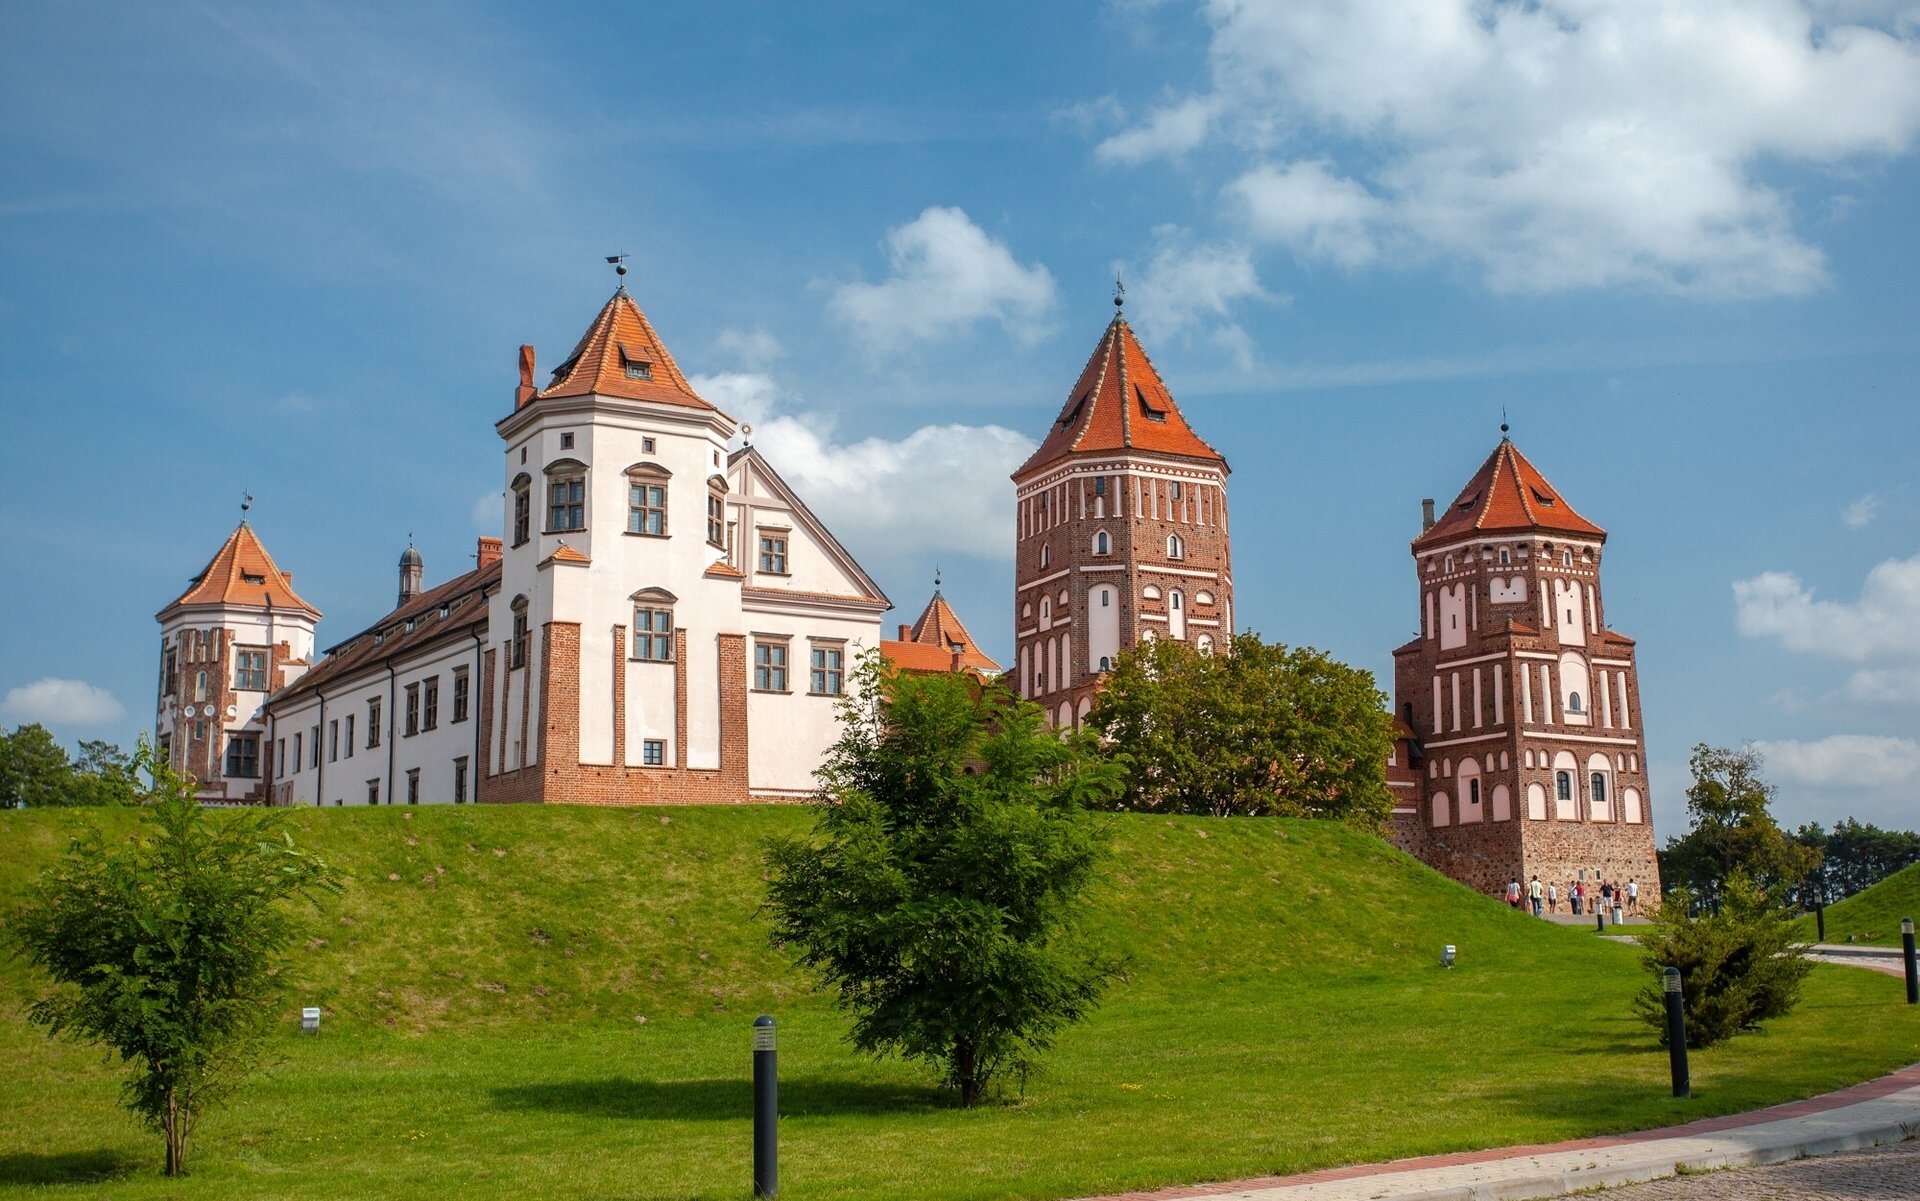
102	775
940	891
1739	965
33	768
167	949
1732	831
1854	857
1261	729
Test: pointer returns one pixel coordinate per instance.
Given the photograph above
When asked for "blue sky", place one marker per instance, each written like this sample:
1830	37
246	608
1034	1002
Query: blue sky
294	249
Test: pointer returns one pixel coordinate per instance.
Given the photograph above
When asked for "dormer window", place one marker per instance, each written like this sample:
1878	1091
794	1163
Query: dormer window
635	365
251	578
1150	405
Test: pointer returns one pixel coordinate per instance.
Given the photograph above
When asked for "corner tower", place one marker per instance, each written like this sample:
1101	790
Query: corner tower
1524	704
1121	532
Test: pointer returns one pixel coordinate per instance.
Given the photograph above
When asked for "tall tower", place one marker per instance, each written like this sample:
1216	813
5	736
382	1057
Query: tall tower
1122	532
1524	704
238	632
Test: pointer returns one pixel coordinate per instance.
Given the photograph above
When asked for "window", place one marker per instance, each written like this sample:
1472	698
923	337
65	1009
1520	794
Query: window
199	731
250	671
1100	486
773	553
243	757
169	671
653	752
460	693
1176	490
413	710
522	509
460	781
517	649
280	757
1203	644
647	509
1176	548
1046	556
1566	558
1473	791
652	634
299	742
717	518
1102	545
1597	783
373	792
566	496
566	441
200	686
1505	557
770	666
636	369
1106	598
1106	664
333	740
430	715
349	720
413	786
827	676
313	746
1573	703
1563	785
646	446
373	721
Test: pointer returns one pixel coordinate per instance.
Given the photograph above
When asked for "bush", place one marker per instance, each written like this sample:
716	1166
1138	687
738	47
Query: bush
1739	966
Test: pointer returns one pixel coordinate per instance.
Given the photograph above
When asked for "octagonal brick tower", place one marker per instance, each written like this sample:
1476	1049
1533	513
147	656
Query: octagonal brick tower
1122	532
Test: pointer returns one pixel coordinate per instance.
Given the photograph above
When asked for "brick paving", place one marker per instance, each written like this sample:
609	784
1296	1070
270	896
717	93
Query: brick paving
1870	1174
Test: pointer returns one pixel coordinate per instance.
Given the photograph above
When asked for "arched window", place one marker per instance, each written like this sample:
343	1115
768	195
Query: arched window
1566	558
1102	545
522	508
1174	599
1176	548
1106	664
1597	784
1203	597
1204	644
517	649
653	625
1046	556
1176	614
566	496
1150	592
1449	562
1563	785
1573	703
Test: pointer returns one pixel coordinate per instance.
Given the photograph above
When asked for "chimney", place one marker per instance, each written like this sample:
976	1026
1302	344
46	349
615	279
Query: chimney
1426	515
488	553
524	393
906	632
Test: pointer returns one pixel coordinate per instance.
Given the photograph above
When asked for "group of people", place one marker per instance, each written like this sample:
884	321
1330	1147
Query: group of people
1584	897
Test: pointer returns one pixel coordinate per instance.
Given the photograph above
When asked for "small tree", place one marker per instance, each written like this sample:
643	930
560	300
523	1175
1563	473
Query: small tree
1260	729
167	949
1732	832
940	891
1739	966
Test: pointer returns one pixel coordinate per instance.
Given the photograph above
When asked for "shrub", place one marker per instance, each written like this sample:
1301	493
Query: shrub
1739	966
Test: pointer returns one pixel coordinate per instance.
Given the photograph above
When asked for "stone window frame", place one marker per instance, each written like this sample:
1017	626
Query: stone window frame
647	500
462	694
413	786
461	774
658	604
375	706
517	642
522	489
826	667
411	725
775	547
773	668
430	702
250	665
570	474
717	512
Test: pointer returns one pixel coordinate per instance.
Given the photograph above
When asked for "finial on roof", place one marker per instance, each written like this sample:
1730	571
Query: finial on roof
1119	294
246	503
746	435
619	262
936	579
1503	423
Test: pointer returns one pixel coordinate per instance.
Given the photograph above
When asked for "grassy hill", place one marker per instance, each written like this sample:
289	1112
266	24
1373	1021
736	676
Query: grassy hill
1873	915
486	974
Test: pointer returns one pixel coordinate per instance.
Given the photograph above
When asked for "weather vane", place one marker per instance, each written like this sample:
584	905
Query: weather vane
936	577
1119	293
619	262
1503	419
246	502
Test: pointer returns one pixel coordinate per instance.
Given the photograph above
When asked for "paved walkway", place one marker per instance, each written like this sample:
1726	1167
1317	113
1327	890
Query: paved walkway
1889	1173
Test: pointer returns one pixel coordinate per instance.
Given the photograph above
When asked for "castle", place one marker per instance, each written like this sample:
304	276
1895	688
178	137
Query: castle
667	622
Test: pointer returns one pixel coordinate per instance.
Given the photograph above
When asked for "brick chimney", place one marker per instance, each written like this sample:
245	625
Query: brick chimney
524	393
906	632
488	554
1426	515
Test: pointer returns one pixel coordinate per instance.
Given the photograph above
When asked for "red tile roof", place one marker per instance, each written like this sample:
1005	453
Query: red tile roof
243	573
1119	403
1507	495
465	597
565	554
621	336
939	627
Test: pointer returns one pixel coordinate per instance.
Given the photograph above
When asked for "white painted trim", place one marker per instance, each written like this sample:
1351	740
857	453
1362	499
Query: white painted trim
1047	579
1466	662
1553	735
1462	741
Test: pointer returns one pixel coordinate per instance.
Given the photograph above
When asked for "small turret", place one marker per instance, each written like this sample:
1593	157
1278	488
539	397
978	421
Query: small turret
411	570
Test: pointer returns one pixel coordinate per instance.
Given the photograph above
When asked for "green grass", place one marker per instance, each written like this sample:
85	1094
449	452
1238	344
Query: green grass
1283	1011
1873	915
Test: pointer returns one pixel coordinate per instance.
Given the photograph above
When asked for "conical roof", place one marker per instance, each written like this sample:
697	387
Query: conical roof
1119	403
938	627
621	355
1507	495
242	574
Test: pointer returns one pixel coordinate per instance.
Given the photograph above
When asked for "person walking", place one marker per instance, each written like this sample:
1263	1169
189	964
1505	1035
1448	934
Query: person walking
1633	895
1553	898
1535	893
1575	891
1606	896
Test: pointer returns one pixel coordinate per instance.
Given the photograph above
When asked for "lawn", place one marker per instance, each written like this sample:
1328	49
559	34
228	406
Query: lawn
1284	1010
1873	915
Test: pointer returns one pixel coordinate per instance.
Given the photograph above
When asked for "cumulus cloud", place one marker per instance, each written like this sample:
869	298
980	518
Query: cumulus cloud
946	273
1556	144
1862	512
937	489
57	702
1186	287
1843	761
1883	623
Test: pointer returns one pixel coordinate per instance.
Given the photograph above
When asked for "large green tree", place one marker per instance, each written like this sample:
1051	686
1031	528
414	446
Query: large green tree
168	948
1731	829
1853	856
940	891
34	771
1258	729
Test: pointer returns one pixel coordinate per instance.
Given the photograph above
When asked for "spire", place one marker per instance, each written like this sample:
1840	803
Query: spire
949	645
1119	403
242	574
1507	495
621	355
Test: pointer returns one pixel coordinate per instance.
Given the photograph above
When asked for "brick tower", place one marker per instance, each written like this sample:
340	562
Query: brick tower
1523	707
1122	532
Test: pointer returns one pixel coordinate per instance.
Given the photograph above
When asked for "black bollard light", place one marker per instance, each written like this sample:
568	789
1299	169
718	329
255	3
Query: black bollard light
766	1111
1913	971
1676	1034
1820	921
1600	920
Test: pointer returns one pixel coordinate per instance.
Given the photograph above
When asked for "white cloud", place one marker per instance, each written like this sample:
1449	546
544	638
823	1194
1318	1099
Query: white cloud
1862	512
753	348
1890	686
56	702
946	273
1306	207
937	489
1842	762
1557	144
1884	623
1187	286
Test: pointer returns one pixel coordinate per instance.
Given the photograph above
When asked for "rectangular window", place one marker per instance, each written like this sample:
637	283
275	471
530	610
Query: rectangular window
460	694
773	554
826	676
373	721
413	710
169	672
250	671
349	720
717	518
653	753
653	635
280	757
200	735
646	444
299	743
522	514
243	757
566	504
517	651
460	781
313	746
333	740
566	441
770	666
413	786
430	715
373	792
647	509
